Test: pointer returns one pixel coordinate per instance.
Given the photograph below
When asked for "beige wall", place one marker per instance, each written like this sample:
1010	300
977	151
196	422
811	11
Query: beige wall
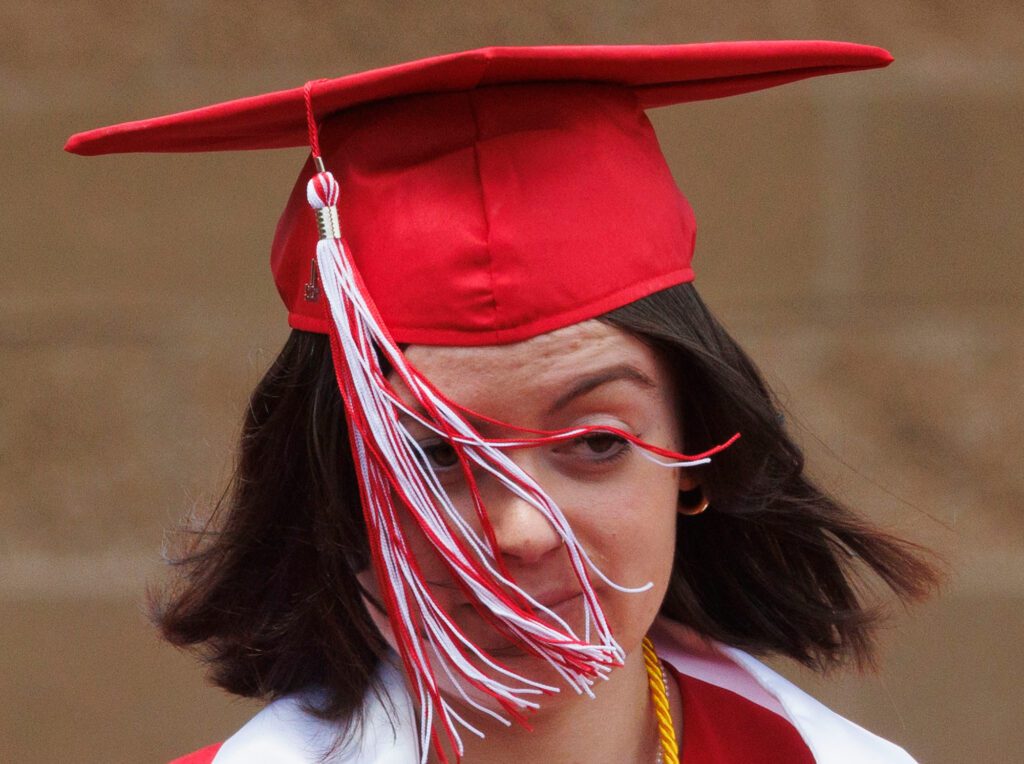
861	235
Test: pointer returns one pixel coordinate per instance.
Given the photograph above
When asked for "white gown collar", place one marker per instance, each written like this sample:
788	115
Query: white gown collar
282	733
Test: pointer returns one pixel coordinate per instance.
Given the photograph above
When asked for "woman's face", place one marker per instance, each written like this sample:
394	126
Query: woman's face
621	506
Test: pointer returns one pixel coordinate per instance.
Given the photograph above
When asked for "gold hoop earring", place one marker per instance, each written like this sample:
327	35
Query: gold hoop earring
693	511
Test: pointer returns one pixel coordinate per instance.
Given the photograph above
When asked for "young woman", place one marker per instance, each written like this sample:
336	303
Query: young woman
510	492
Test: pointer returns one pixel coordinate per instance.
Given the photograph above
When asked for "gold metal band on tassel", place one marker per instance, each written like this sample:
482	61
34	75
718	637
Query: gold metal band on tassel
327	224
659	698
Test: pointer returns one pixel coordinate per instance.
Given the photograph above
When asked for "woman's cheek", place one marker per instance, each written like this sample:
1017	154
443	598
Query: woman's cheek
631	526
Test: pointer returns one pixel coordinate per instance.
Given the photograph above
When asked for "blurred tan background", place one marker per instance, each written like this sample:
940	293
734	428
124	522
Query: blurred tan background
860	234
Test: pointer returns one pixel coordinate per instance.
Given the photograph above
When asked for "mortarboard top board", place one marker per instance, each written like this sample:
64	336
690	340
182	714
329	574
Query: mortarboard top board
494	194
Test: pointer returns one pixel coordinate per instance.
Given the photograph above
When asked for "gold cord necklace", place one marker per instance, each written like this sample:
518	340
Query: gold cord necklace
668	752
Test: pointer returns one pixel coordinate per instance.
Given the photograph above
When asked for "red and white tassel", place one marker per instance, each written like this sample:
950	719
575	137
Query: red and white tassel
390	463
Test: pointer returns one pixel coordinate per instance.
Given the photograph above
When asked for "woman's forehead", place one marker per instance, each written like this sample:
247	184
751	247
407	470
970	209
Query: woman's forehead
541	364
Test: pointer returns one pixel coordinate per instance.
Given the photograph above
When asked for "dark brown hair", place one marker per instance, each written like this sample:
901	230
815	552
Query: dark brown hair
267	592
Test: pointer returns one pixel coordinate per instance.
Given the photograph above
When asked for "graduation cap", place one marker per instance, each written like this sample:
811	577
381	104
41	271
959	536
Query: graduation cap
476	198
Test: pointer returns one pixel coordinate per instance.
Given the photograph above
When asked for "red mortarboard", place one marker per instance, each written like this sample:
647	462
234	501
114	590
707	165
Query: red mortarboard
491	195
477	198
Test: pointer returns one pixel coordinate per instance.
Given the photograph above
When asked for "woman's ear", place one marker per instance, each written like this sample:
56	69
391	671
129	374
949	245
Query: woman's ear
692	499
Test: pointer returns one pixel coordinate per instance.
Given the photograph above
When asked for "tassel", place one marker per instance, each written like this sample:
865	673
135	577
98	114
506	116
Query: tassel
390	463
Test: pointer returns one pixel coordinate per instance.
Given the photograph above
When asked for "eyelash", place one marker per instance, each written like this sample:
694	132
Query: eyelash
620	448
620	445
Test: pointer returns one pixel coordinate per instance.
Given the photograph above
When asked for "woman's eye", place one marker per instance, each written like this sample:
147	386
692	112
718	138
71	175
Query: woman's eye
598	446
440	455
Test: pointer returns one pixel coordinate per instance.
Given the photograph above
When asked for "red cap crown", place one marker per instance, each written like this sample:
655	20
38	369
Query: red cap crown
491	215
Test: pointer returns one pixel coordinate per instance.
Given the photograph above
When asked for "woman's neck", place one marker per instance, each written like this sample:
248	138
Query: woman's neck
616	726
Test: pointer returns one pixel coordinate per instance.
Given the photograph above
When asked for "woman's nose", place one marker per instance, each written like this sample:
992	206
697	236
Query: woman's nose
522	532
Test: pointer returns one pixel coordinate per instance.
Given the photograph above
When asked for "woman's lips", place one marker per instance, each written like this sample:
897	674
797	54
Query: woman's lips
551	599
562	605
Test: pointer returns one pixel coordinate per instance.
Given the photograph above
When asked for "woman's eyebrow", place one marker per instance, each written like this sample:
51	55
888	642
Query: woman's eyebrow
590	382
593	381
